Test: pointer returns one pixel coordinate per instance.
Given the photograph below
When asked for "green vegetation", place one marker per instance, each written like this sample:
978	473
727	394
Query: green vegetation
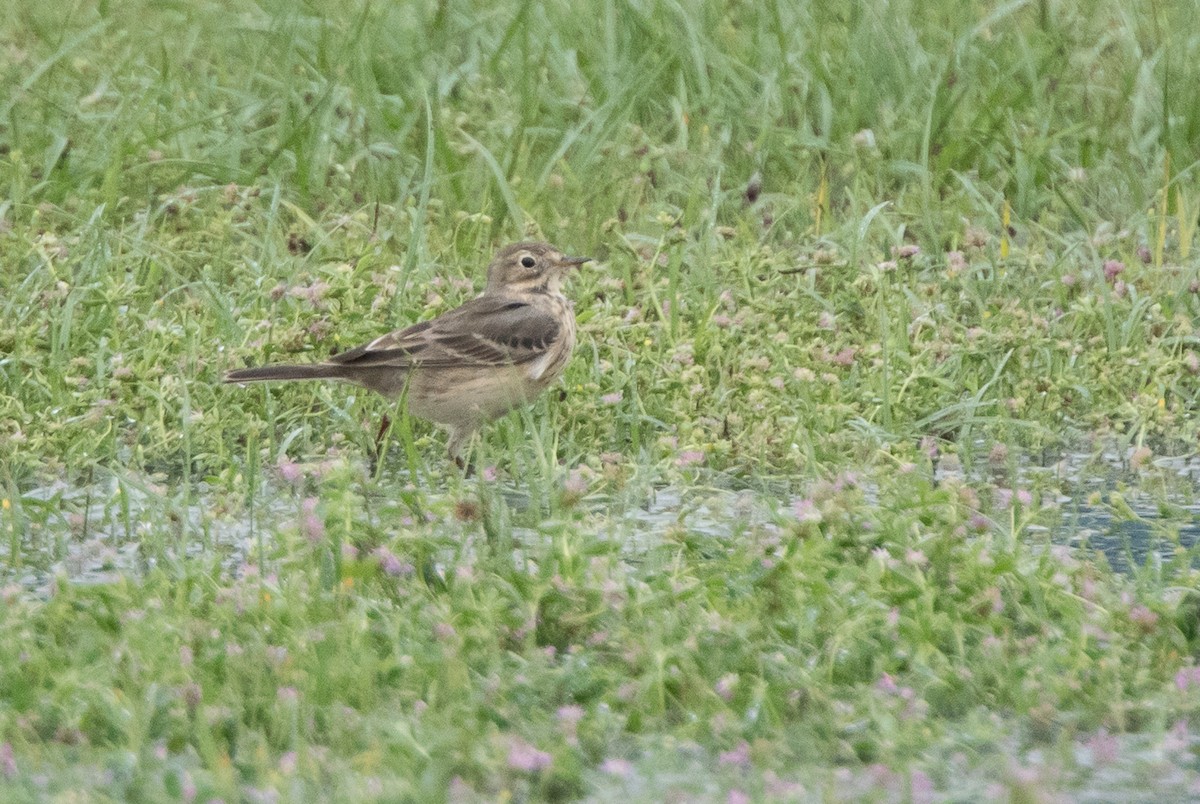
866	271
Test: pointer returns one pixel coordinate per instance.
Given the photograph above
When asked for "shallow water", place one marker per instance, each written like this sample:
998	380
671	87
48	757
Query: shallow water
98	533
1128	544
1098	769
1106	508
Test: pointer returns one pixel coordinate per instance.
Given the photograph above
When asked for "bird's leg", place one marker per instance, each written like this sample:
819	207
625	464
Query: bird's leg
378	445
384	424
459	438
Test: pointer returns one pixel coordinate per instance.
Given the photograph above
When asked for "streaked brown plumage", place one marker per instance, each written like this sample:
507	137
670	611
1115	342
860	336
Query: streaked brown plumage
474	363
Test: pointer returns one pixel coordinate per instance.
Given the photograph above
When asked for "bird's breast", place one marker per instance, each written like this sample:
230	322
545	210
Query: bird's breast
547	368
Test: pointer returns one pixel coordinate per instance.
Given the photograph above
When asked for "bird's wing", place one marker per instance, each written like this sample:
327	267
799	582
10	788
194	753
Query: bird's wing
488	331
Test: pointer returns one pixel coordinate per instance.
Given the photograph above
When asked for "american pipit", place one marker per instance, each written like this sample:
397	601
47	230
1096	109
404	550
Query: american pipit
474	363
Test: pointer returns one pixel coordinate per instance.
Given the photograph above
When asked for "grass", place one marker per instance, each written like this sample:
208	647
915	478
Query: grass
794	528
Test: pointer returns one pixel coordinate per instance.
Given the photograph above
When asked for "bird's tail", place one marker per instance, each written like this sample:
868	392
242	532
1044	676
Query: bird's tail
315	371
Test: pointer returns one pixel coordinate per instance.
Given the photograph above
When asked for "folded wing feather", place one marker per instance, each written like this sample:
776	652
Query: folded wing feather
488	331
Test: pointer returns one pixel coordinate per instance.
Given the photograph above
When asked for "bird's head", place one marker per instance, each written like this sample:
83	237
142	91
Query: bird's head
529	268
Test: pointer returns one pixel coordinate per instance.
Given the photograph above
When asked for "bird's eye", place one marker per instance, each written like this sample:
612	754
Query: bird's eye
528	261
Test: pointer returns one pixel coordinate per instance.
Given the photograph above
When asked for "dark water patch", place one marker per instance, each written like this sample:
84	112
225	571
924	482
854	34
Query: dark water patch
1130	508
1131	542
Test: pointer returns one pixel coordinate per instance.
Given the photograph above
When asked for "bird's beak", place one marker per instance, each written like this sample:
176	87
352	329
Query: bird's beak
572	261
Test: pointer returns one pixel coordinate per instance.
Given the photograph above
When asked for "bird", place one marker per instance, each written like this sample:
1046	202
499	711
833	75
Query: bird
470	365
